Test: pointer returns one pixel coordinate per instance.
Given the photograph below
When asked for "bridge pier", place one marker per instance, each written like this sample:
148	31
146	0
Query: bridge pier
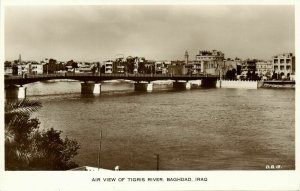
90	88
182	85
209	83
146	87
16	92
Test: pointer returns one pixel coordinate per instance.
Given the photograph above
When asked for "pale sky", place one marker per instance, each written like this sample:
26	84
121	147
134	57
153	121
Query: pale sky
161	32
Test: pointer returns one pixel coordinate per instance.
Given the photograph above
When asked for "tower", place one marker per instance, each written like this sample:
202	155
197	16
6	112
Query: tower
186	56
20	60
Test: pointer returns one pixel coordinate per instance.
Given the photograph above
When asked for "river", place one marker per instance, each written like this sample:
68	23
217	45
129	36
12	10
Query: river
201	129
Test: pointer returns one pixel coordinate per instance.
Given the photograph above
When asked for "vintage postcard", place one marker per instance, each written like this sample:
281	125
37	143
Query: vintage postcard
101	95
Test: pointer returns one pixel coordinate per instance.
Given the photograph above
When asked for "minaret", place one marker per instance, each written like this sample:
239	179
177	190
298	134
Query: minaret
20	60
186	56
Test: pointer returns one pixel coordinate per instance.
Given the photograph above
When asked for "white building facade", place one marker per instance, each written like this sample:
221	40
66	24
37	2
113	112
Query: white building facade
284	64
208	62
264	68
108	67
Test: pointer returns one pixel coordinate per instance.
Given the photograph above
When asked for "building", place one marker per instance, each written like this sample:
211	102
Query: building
229	64
249	66
35	68
186	57
161	67
196	67
231	68
136	65
177	67
208	62
284	65
84	67
8	70
249	70
108	65
20	69
150	66
264	68
119	67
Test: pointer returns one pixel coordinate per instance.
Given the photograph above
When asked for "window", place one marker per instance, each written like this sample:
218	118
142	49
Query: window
281	67
281	61
275	67
288	67
288	61
275	61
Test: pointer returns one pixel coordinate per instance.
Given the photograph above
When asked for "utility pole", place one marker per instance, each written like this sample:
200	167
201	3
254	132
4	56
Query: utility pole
99	151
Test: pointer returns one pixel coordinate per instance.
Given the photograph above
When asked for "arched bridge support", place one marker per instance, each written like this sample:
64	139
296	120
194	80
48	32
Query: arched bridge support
209	83
145	87
90	88
181	85
15	92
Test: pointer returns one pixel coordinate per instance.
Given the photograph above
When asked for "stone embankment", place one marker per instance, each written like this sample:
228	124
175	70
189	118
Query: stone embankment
254	84
237	84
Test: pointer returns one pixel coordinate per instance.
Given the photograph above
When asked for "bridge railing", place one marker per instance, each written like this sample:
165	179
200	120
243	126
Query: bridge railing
126	75
33	76
137	75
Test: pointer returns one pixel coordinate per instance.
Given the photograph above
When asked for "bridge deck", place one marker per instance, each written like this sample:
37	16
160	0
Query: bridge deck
25	79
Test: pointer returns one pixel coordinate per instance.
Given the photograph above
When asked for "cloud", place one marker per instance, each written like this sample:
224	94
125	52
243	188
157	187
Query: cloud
156	32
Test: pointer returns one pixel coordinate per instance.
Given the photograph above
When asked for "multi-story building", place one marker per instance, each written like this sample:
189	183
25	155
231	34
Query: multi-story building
150	66
161	67
136	65
86	67
35	68
249	66
119	67
20	69
197	67
177	67
208	62
108	67
264	68
249	70
284	64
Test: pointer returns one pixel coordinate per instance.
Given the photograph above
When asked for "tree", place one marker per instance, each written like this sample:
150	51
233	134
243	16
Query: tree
130	64
98	66
142	68
230	74
93	69
72	63
7	64
28	148
102	69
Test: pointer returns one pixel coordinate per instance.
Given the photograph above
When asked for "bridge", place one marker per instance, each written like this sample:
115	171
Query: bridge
91	82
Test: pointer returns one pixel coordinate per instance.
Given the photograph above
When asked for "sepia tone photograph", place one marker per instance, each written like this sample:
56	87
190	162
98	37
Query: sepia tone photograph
149	87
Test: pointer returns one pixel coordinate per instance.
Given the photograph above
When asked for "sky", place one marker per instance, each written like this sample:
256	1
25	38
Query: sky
156	32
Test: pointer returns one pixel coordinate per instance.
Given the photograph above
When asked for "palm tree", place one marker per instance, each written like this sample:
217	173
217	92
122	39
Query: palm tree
27	148
18	127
